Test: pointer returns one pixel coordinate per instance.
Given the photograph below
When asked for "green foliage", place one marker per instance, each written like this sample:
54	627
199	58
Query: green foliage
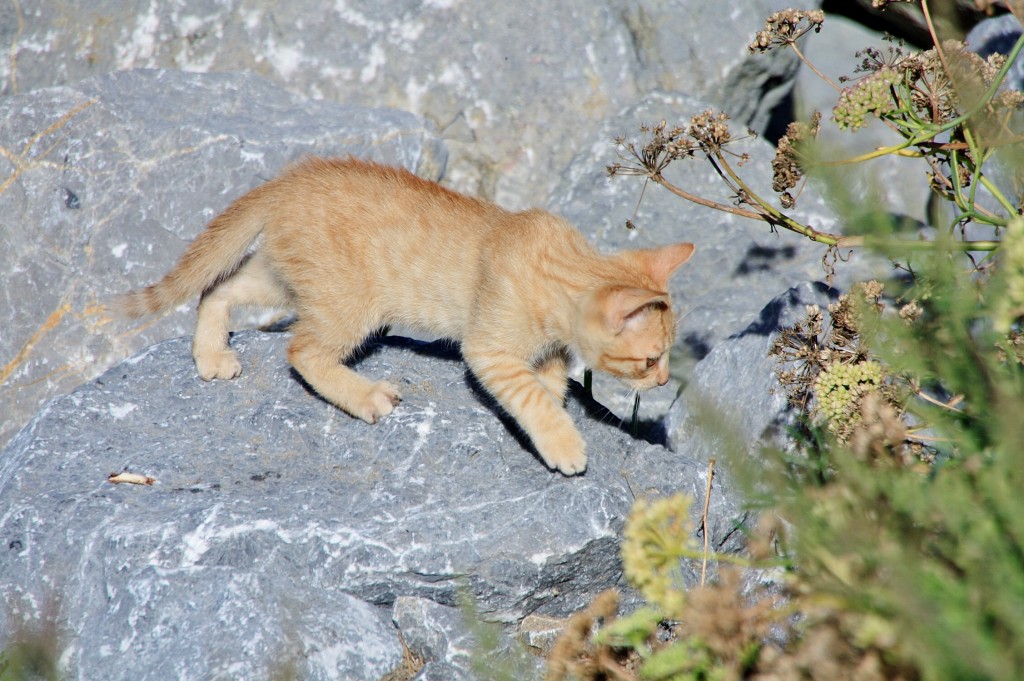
31	655
936	554
906	560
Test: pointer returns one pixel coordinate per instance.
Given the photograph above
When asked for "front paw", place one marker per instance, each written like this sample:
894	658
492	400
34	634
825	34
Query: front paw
566	454
217	364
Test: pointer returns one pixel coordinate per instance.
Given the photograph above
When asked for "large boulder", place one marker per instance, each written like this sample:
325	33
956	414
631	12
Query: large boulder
515	87
109	179
275	517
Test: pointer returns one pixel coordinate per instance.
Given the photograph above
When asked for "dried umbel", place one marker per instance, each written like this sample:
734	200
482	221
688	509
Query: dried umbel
785	28
659	145
575	654
787	166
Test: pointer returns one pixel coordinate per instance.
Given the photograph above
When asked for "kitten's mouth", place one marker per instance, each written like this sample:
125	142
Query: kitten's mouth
644	385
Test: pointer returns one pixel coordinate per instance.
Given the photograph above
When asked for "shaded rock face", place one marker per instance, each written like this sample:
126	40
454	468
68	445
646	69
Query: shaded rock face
273	513
733	400
514	87
111	178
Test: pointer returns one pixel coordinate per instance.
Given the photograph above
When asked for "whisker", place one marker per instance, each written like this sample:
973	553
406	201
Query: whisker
681	316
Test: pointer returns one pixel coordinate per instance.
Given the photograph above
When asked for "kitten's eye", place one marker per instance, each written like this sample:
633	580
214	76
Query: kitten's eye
651	361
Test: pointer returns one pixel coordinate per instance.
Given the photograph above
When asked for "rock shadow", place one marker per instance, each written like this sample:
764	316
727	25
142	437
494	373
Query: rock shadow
764	258
770	321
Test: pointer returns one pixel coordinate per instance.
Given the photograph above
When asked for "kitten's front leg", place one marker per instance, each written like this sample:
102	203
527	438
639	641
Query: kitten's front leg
522	394
553	373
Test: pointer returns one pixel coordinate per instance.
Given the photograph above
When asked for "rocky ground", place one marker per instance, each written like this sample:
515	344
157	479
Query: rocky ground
278	531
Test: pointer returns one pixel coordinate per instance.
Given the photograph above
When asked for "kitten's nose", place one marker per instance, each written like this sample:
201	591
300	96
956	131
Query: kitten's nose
663	376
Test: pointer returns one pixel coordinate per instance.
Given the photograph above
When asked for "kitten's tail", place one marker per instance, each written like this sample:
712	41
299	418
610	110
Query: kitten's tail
214	255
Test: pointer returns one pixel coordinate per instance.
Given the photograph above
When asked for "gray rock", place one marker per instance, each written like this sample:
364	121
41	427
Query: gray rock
434	632
108	181
448	639
262	484
442	671
516	87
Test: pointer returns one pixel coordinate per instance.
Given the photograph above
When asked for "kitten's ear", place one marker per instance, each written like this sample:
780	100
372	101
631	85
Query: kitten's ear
619	305
662	262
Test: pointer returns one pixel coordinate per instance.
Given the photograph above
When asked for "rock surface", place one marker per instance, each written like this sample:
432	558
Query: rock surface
271	509
281	534
108	180
515	87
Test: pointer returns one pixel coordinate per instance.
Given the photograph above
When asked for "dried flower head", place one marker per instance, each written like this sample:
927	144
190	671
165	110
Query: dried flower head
710	129
786	27
787	168
658	146
661	144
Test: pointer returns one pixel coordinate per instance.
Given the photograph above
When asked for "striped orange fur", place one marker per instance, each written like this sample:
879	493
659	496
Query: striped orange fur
352	246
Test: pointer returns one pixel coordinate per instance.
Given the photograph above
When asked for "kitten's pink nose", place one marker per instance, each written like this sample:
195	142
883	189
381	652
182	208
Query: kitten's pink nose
663	377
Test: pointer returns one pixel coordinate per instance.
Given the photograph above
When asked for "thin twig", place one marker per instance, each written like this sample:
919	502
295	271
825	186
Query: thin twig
811	66
704	520
951	405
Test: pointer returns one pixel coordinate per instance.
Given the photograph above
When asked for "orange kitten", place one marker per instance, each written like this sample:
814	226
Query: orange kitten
352	246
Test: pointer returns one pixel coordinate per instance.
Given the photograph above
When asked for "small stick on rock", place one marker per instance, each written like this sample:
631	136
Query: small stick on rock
704	520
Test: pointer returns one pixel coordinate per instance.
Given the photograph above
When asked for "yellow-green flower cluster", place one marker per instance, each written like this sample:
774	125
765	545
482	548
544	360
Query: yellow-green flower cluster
658	534
871	94
838	387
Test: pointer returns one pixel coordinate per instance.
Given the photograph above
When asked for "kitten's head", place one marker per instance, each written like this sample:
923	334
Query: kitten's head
627	330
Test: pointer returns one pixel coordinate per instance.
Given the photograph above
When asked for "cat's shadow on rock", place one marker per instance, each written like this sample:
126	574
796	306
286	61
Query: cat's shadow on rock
646	430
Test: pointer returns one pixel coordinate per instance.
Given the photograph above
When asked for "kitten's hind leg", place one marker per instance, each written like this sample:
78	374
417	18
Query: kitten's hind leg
252	284
320	364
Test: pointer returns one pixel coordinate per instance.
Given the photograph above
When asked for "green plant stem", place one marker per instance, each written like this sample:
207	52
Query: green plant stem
776	216
983	179
808	64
